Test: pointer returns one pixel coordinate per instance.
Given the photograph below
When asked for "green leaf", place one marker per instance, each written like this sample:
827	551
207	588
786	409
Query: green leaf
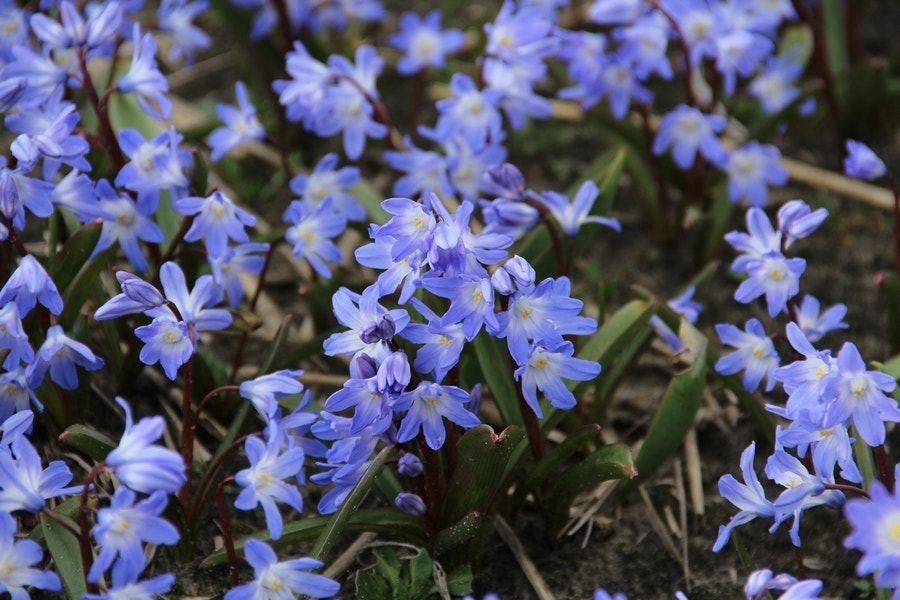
370	586
88	441
63	547
383	521
484	464
68	510
337	523
388	566
459	582
890	294
676	411
85	285
74	254
834	27
607	463
421	572
497	372
459	535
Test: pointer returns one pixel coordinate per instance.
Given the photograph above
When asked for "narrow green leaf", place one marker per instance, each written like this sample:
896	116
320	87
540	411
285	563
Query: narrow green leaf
676	411
337	523
383	521
834	27
84	286
498	374
74	254
88	441
66	555
484	462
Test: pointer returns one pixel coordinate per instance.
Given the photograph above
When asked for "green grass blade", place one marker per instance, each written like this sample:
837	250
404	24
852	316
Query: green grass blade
676	412
496	370
337	523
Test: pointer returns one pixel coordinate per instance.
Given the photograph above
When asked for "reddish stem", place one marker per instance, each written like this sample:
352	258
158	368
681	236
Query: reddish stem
226	532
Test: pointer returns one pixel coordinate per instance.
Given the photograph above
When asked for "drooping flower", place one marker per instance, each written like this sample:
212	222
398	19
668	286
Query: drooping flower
138	463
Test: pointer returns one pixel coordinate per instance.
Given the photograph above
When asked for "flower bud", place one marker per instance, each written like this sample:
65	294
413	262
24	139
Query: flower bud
520	270
410	504
380	330
410	465
139	290
504	181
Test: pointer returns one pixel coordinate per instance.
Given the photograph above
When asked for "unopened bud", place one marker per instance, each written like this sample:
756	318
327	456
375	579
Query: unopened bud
410	504
410	465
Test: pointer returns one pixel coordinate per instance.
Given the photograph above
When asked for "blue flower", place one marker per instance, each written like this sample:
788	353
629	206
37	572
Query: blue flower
422	42
772	275
241	124
572	215
326	180
13	337
125	585
545	370
264	391
155	165
216	220
357	312
264	482
686	131
61	354
748	496
30	284
876	533
860	395
276	579
311	232
17	558
24	484
228	268
175	18
751	169
816	324
470	113
427	405
167	342
144	79
755	354
124	221
140	465
124	526
862	163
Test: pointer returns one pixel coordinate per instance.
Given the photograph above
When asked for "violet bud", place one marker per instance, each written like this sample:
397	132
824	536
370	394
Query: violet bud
410	504
394	374
520	270
139	290
381	330
503	283
504	181
363	367
410	465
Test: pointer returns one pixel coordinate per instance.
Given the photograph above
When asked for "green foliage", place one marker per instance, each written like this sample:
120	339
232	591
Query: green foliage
415	577
63	547
677	410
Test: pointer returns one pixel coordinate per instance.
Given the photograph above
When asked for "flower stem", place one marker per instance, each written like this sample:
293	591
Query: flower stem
226	531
